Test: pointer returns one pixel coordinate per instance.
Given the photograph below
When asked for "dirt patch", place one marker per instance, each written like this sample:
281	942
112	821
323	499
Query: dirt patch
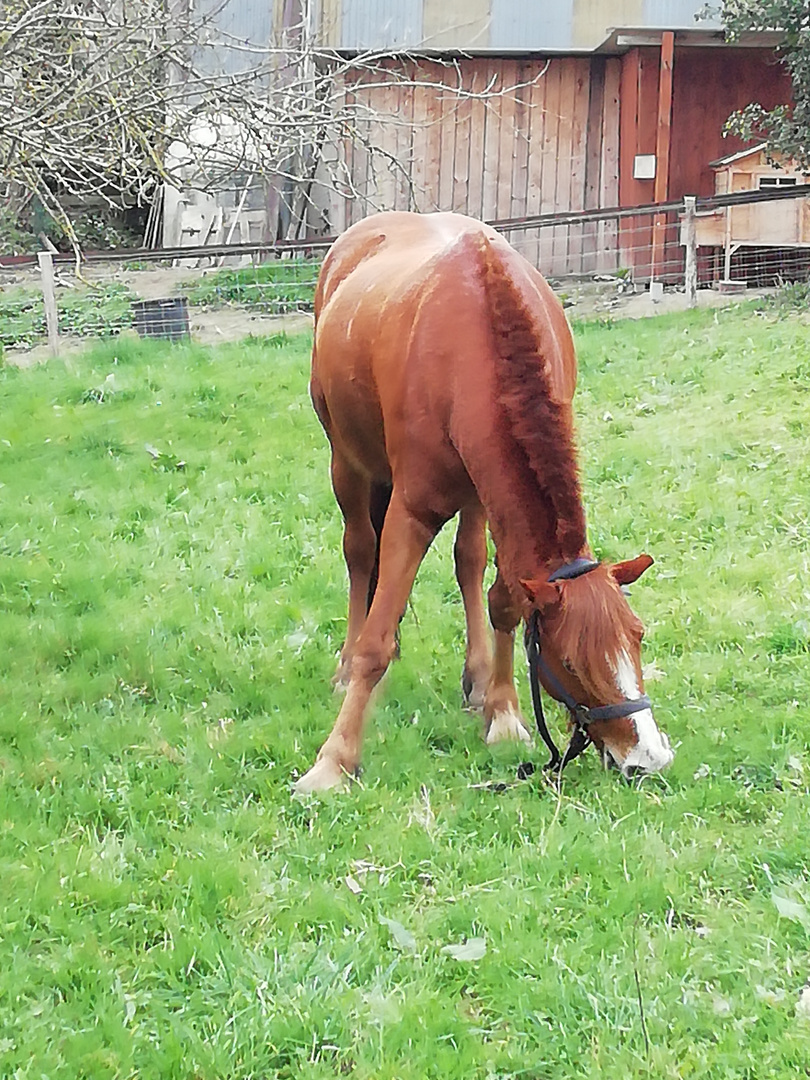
617	298
233	324
607	297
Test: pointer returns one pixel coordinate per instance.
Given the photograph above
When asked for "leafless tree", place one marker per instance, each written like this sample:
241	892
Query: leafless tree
110	99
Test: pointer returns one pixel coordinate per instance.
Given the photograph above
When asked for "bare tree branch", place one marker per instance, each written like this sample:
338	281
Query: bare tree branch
107	100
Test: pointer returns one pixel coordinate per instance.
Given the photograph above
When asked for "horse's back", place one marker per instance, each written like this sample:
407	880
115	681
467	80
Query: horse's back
403	329
398	244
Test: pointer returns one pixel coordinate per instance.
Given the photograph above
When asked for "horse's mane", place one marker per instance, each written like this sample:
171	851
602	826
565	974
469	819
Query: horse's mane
593	613
540	426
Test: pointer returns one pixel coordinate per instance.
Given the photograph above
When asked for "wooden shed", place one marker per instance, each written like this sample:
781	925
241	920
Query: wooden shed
778	224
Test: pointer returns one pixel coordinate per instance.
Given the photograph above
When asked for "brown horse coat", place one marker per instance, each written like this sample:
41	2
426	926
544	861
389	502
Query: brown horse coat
443	372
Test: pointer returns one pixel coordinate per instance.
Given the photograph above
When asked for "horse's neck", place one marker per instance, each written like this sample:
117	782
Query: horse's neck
521	516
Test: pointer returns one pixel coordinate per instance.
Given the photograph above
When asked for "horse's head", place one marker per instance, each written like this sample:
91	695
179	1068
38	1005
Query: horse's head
590	643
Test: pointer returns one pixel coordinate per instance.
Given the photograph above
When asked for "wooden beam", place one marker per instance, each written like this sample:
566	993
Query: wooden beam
664	117
662	143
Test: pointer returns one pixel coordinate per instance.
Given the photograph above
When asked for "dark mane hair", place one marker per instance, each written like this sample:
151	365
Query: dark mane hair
540	426
593	612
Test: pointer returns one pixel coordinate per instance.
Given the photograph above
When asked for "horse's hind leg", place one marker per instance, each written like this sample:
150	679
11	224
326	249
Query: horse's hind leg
471	561
405	539
360	541
501	709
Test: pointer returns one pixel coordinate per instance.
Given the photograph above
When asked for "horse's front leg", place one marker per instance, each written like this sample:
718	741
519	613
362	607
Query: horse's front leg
502	714
403	544
471	561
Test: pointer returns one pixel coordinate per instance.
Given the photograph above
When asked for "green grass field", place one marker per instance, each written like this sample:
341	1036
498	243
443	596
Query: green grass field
172	597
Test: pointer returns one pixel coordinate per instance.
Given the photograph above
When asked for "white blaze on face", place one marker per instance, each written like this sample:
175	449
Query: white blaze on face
652	752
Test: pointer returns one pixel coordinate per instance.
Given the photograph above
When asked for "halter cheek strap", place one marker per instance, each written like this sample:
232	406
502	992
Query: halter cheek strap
581	715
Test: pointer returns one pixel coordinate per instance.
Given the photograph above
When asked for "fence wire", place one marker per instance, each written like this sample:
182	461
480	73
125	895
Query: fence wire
155	297
230	290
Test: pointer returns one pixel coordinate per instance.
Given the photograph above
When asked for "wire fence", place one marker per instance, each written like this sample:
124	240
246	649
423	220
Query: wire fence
212	293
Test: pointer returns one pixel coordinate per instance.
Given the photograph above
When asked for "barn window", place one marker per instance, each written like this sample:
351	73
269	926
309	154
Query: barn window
777	181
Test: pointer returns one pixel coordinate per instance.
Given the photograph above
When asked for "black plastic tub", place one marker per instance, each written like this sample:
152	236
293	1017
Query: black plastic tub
167	318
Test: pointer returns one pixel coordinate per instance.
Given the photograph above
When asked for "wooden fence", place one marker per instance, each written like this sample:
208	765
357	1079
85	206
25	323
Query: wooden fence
511	139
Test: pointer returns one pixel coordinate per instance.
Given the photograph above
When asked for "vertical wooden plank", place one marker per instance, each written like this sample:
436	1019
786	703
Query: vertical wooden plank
534	187
595	131
579	135
420	141
447	107
404	153
506	140
662	142
478	116
463	136
630	78
492	143
594	141
608	237
690	243
349	179
520	158
550	152
45	260
434	75
664	130
360	158
565	139
385	136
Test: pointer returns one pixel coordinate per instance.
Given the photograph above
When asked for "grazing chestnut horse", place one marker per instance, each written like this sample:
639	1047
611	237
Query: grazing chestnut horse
442	372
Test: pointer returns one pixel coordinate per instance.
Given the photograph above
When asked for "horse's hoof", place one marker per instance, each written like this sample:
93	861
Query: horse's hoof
472	694
325	775
473	698
507	725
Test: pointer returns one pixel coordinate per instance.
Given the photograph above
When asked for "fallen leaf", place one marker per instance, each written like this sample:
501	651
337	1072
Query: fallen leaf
402	937
353	885
652	672
472	949
791	909
803	1005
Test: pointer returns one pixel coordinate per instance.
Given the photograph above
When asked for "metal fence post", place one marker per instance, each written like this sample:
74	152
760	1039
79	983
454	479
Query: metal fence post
690	240
45	260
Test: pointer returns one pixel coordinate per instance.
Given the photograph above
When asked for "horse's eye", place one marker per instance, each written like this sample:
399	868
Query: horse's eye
569	667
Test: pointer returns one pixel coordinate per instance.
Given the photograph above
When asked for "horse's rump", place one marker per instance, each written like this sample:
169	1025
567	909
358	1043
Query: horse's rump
405	342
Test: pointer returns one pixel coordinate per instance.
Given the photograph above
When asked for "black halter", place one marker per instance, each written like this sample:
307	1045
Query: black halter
581	715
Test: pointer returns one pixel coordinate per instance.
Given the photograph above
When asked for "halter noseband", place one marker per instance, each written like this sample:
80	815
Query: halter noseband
581	715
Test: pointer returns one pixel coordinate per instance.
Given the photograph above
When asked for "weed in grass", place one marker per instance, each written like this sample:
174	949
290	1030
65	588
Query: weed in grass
168	637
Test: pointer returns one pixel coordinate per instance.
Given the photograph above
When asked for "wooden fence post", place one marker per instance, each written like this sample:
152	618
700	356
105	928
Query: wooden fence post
690	240
45	260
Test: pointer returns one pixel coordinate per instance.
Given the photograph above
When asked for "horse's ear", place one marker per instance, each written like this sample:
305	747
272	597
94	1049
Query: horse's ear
625	573
540	592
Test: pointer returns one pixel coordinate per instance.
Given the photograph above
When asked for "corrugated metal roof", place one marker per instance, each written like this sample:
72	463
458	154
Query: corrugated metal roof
513	25
676	15
243	24
382	24
521	24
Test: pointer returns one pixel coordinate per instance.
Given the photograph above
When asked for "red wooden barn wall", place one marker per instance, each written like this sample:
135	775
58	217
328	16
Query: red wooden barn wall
564	138
708	85
548	146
